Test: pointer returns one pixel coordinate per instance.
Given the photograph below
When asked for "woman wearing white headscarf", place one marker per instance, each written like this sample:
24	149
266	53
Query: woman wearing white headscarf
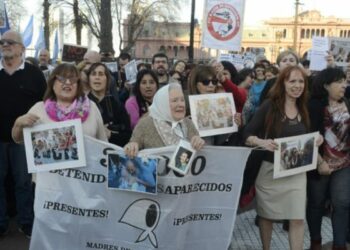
166	123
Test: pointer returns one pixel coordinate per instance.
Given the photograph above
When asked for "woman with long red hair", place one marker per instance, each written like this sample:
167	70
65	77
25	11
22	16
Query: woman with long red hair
284	114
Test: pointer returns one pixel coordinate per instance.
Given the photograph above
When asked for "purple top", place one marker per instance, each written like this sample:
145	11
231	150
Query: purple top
133	110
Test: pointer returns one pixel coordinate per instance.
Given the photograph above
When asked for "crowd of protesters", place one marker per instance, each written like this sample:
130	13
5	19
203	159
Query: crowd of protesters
272	101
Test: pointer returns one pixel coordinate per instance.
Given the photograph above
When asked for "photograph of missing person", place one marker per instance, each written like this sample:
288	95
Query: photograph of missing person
182	158
213	114
295	155
54	146
340	49
138	174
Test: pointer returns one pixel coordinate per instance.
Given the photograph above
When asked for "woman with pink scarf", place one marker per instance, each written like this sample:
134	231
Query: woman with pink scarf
64	100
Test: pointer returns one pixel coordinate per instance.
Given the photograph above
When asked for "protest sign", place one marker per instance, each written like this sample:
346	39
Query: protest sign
112	66
223	24
295	155
55	145
73	53
131	71
213	114
318	53
340	49
74	209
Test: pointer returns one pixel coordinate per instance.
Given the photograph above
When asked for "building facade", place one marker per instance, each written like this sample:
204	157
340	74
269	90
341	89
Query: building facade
275	36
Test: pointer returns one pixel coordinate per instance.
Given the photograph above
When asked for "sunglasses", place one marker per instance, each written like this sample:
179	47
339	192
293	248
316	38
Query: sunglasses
63	80
208	81
8	42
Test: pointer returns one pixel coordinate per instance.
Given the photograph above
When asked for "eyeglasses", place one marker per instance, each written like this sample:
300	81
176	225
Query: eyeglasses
208	81
63	80
8	42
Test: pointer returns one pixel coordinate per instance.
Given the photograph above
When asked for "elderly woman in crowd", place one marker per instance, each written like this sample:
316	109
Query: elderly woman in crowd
330	114
284	114
166	123
144	90
64	100
114	115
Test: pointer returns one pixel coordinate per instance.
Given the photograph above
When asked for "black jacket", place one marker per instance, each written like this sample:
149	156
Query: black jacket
115	117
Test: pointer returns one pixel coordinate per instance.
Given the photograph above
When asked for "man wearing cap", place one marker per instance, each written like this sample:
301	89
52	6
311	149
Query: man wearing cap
22	85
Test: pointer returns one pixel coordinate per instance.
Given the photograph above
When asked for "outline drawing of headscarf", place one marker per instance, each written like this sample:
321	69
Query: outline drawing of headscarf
143	214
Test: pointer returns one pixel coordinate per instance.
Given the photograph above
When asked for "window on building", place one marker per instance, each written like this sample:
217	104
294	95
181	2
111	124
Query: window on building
307	33
250	35
177	34
146	51
341	33
312	32
322	32
162	49
284	33
317	32
146	33
302	34
348	33
176	49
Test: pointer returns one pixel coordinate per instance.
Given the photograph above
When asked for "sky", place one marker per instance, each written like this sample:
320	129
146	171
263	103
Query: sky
256	11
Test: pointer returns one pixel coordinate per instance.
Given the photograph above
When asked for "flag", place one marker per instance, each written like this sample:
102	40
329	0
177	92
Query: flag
40	43
28	33
6	25
55	49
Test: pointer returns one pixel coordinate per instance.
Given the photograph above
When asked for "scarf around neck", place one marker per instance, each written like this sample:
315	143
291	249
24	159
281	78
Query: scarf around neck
80	108
170	131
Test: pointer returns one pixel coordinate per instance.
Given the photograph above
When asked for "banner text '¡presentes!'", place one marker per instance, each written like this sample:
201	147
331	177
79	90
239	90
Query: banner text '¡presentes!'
96	213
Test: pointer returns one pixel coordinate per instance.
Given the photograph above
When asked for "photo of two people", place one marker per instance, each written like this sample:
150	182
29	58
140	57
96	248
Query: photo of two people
138	174
295	155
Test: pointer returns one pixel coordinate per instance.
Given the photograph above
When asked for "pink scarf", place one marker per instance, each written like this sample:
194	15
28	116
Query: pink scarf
78	109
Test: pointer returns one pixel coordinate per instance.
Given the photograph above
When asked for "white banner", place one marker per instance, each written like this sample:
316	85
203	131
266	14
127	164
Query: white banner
75	210
223	24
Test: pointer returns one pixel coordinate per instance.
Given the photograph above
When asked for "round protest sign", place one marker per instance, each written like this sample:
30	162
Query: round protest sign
223	22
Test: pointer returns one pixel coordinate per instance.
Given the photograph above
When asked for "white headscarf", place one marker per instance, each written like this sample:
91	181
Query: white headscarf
161	114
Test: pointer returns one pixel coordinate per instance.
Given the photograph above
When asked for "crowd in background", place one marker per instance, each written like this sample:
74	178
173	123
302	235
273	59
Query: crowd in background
272	100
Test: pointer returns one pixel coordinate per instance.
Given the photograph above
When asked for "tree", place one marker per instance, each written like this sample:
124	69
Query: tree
15	11
46	15
142	11
77	19
97	15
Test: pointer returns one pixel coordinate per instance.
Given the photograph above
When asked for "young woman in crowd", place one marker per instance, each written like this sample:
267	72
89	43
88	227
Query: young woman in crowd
245	79
64	100
252	103
144	90
166	123
203	80
115	118
284	114
271	72
330	115
284	59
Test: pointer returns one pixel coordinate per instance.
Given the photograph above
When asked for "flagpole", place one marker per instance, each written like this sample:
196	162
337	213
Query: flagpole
191	49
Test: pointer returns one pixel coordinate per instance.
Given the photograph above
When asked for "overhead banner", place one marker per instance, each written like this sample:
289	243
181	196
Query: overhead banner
74	209
223	24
